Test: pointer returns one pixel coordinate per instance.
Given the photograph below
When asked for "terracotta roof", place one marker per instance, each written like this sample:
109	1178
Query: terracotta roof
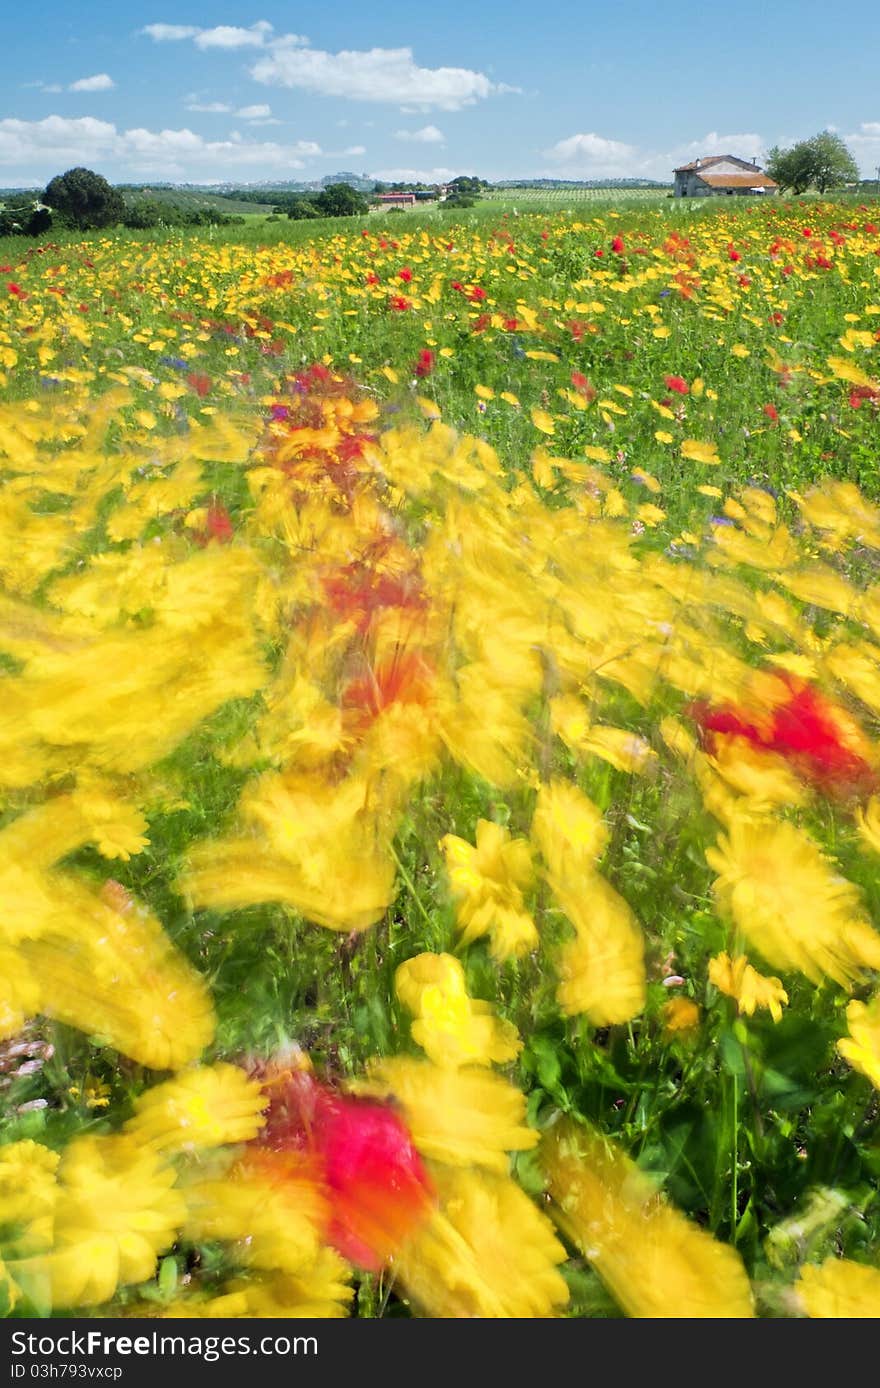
696	164
755	180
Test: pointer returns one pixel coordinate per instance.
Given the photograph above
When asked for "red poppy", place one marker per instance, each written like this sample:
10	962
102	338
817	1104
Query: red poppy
201	384
676	383
218	523
398	304
732	252
360	1149
405	274
425	363
476	294
815	737
772	413
582	386
617	245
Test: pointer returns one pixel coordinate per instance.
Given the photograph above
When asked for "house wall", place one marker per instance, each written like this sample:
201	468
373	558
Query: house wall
688	185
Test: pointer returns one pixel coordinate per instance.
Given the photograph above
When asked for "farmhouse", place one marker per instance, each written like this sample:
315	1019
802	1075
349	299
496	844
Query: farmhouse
721	175
396	199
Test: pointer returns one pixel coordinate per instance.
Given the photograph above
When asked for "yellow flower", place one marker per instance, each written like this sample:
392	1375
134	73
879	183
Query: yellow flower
680	1015
28	1193
543	421
568	829
203	1107
656	1263
116	1210
487	882
602	970
839	1289
322	1290
270	1207
737	979
862	1047
623	750
19	992
698	452
114	973
452	1028
868	823
790	902
320	848
466	1117
487	1252
763	778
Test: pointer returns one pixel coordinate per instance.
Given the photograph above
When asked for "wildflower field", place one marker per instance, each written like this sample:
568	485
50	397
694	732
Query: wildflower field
440	760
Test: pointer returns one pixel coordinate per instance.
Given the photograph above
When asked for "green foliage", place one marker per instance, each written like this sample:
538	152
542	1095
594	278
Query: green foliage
340	200
336	200
24	214
302	210
85	200
822	162
145	215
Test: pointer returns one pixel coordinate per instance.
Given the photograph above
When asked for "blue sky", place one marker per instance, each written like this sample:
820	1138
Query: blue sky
216	91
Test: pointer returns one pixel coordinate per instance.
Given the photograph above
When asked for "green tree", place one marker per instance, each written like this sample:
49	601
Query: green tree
341	200
302	209
833	165
84	200
822	162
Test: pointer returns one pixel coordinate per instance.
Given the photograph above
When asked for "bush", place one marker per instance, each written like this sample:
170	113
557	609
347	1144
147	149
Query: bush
84	200
302	210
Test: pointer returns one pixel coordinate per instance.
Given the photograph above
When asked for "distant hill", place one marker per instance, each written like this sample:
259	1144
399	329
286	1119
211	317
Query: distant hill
184	196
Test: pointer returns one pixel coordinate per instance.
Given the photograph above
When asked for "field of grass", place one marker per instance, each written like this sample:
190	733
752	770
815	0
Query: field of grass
187	198
441	766
572	195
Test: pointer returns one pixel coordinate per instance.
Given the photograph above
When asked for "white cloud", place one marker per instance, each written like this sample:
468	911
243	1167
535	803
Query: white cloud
39	149
592	155
167	33
101	82
864	144
428	135
377	74
254	115
223	36
355	149
230	36
747	146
